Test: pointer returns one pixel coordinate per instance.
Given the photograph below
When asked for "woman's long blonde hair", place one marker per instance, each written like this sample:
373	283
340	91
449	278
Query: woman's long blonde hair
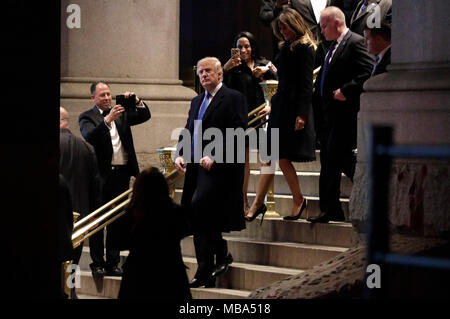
294	21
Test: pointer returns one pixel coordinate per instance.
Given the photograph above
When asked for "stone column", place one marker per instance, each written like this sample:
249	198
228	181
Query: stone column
414	98
132	45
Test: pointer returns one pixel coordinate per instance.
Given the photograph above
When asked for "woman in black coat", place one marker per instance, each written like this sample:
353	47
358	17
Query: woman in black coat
154	269
291	110
243	72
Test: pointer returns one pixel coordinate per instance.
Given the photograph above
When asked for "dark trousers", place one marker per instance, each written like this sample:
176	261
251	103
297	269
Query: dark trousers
336	157
209	244
115	184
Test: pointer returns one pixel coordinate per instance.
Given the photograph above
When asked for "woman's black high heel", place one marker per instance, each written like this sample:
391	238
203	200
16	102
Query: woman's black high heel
304	206
261	210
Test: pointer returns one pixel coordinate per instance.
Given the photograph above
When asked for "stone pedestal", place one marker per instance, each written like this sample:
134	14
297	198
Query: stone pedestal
133	45
414	98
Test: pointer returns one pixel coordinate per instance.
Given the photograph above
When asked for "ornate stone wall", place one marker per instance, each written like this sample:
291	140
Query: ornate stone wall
132	45
414	98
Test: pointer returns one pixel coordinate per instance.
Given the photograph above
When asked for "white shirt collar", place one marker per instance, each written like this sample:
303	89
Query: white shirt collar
216	89
99	109
339	40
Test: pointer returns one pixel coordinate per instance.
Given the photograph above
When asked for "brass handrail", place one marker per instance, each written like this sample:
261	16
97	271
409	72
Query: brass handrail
115	208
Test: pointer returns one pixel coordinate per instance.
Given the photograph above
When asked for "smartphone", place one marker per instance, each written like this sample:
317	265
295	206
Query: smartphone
127	103
235	51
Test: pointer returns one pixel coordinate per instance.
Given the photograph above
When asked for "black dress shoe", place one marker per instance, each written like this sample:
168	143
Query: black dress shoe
97	271
339	217
222	267
208	282
114	271
322	218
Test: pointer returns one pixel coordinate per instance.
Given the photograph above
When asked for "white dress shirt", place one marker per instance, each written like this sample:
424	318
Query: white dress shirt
318	6
120	157
339	40
211	96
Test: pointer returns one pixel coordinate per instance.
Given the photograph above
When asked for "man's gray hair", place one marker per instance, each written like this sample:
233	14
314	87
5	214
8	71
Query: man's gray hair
216	61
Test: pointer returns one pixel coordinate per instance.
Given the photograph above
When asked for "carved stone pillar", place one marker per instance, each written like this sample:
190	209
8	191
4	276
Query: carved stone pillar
414	98
132	45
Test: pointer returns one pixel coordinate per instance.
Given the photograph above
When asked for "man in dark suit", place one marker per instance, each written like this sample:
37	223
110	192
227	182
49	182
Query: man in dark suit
78	165
339	84
108	130
212	191
366	12
378	43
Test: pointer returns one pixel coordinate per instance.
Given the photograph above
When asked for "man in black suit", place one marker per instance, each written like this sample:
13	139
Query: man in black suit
78	165
339	84
366	13
378	43
212	191
108	130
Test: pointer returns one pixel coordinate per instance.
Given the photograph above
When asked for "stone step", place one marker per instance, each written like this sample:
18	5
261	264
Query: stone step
336	234
106	287
83	296
218	293
309	183
313	166
242	276
237	282
85	259
279	254
283	204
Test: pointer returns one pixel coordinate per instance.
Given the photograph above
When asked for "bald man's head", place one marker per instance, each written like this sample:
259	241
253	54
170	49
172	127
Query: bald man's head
63	118
332	23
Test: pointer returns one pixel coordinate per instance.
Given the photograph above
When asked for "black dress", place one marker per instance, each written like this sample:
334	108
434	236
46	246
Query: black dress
293	98
154	269
241	79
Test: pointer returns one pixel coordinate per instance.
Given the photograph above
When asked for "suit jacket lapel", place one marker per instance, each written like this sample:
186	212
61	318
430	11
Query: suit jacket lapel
365	12
215	101
340	48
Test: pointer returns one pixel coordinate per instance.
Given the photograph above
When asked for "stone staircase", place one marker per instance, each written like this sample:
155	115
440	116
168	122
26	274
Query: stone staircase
262	254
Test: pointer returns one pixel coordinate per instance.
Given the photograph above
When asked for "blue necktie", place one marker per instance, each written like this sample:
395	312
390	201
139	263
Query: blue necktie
325	66
203	107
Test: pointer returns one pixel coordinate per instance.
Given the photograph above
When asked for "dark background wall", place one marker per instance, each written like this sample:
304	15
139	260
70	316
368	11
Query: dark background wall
207	28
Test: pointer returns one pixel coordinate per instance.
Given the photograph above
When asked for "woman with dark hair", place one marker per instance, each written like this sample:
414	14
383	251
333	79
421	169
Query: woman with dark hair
243	72
154	268
292	111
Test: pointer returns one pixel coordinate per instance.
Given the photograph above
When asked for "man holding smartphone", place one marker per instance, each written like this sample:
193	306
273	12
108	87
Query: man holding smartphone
108	130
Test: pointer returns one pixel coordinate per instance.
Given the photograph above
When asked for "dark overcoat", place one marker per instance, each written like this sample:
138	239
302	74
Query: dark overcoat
214	198
293	98
78	165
